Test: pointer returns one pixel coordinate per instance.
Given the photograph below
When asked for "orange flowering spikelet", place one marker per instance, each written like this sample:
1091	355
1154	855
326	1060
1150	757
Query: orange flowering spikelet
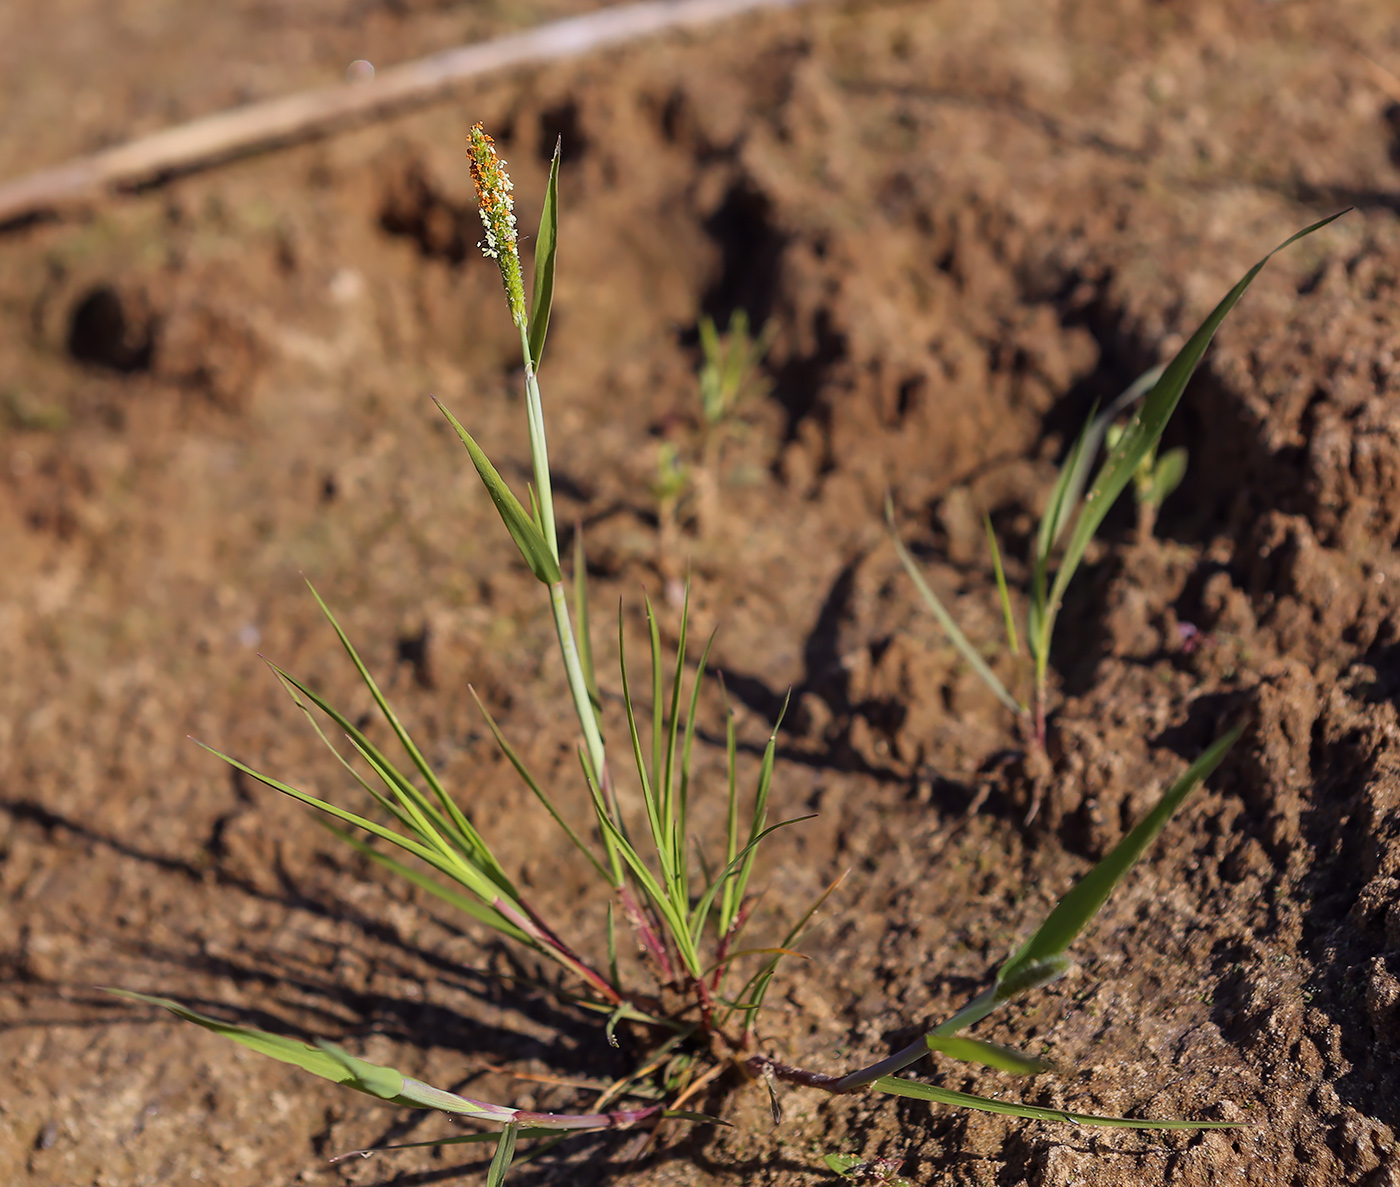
497	209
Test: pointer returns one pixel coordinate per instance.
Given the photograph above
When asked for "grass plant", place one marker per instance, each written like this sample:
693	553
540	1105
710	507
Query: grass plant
703	991
1074	514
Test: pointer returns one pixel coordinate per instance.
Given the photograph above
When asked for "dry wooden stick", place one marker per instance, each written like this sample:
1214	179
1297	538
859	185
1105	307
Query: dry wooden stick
260	126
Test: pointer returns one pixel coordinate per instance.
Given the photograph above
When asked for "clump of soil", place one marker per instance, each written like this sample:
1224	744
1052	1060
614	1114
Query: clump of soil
968	222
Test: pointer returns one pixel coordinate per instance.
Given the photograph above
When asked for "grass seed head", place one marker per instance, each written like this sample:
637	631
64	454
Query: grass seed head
497	209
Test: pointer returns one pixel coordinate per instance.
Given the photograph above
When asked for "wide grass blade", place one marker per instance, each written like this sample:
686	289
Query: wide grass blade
992	1055
527	535
985	1104
1083	901
328	1062
546	247
1166	477
1145	429
945	620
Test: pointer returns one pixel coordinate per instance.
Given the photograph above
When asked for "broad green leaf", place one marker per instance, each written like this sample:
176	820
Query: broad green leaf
992	1055
330	1063
546	246
370	1078
528	538
1083	901
985	1104
287	1050
1166	477
1145	429
945	620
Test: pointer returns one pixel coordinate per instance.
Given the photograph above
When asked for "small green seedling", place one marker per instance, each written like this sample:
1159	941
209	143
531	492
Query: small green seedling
670	487
684	897
1072	517
729	365
1153	480
883	1172
729	377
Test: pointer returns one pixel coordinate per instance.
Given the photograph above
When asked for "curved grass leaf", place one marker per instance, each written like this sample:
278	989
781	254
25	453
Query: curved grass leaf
546	246
945	620
1166	477
992	1055
1082	903
528	538
1145	430
985	1104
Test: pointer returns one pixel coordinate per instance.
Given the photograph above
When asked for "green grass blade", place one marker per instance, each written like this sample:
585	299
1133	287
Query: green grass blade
649	791
528	538
742	861
370	1078
390	806
759	816
505	1152
675	921
546	247
279	1047
460	872
729	907
470	841
585	637
991	1055
1002	591
1166	477
675	836
480	851
462	902
945	620
658	709
1083	901
756	989
331	1063
1145	429
985	1104
529	780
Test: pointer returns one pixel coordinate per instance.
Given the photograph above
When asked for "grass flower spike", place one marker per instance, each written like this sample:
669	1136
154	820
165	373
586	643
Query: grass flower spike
497	208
